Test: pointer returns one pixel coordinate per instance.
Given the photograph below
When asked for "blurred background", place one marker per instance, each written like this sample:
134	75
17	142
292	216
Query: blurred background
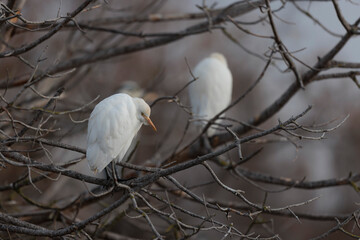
162	71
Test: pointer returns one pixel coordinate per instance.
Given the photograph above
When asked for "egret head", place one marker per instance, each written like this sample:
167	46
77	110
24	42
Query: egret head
144	112
219	57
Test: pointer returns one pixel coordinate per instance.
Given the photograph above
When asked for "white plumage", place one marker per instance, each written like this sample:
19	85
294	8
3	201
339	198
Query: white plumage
113	124
212	91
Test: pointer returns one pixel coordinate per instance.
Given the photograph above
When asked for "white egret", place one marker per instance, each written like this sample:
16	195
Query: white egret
113	124
131	88
212	91
135	90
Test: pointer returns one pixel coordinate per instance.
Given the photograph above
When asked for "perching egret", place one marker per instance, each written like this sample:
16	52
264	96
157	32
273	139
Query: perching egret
135	90
131	88
113	124
211	92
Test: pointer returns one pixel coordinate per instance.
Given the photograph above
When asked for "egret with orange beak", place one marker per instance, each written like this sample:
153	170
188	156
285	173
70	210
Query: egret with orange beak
113	124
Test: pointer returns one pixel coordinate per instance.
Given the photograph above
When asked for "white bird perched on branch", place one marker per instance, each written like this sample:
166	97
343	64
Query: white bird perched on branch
211	92
113	124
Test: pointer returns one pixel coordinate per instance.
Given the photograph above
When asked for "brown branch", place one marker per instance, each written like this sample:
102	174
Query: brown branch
342	64
66	230
27	162
350	74
40	113
17	222
338	227
341	18
45	141
310	216
46	36
315	20
282	48
266	178
236	10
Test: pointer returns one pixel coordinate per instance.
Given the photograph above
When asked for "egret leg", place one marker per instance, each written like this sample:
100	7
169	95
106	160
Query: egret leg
108	173
108	176
205	143
115	173
118	176
110	169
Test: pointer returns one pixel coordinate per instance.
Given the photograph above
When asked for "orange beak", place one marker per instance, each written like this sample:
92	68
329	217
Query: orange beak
149	121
